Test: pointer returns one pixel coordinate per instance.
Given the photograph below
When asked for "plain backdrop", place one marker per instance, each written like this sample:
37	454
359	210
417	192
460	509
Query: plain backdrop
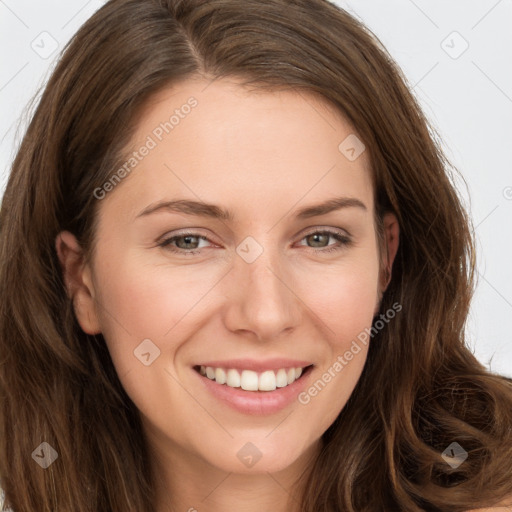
456	57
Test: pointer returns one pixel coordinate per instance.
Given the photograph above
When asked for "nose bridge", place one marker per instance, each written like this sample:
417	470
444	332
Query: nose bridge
262	292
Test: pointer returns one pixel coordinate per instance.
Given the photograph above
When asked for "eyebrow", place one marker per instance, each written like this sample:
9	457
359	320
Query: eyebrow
201	209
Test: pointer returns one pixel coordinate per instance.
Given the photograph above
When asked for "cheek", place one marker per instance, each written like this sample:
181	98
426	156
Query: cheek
344	300
139	301
151	302
344	297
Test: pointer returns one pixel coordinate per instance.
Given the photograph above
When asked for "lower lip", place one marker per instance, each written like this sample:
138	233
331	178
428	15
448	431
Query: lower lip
257	403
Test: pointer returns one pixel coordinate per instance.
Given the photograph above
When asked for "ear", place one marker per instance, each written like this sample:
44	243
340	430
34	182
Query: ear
77	277
389	250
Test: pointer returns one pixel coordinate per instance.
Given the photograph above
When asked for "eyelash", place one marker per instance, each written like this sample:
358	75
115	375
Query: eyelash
344	241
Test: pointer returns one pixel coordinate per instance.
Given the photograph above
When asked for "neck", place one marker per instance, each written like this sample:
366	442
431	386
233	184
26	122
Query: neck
185	482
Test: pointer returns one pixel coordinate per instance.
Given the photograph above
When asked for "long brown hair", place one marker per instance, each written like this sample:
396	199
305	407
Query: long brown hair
421	388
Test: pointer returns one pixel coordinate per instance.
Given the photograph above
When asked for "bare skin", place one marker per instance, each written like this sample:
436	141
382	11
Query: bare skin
263	156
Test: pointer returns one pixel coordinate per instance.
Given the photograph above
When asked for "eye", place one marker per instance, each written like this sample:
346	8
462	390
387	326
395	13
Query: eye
318	237
188	243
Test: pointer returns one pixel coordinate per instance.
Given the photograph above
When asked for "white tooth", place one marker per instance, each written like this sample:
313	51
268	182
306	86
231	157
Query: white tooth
233	379
249	380
267	381
220	375
281	378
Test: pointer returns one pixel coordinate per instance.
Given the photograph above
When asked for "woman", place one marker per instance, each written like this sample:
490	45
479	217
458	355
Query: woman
235	275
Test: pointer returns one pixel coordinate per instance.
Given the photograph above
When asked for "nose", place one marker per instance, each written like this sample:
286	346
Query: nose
263	298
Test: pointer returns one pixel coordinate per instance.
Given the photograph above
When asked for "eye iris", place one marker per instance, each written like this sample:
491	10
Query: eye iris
187	237
319	235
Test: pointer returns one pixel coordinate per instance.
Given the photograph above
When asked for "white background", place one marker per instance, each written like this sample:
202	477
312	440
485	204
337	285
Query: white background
468	98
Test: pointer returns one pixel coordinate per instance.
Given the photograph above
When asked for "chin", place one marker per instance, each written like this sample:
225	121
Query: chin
257	456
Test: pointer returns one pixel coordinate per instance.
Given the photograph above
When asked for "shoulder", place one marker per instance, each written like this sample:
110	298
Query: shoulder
2	497
497	508
502	506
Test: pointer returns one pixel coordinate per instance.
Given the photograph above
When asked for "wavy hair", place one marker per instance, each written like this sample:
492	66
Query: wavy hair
421	388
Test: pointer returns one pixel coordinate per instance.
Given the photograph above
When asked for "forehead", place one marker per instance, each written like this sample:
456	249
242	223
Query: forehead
219	142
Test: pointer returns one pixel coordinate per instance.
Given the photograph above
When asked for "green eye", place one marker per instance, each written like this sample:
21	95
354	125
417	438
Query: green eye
180	243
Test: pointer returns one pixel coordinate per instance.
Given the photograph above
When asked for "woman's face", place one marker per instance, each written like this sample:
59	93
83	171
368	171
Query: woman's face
267	288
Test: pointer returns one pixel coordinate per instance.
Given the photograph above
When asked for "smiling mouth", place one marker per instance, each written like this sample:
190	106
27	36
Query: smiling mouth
249	380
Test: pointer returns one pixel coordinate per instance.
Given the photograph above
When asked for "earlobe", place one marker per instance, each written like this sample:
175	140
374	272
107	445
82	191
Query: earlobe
78	281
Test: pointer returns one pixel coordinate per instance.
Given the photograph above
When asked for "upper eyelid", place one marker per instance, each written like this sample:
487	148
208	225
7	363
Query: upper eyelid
338	231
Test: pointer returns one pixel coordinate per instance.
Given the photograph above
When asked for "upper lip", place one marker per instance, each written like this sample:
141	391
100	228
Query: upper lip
258	366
